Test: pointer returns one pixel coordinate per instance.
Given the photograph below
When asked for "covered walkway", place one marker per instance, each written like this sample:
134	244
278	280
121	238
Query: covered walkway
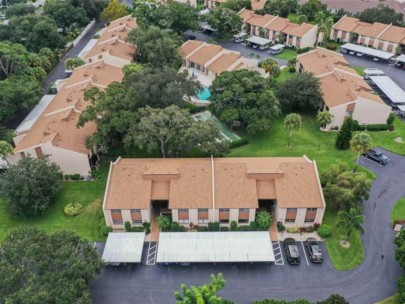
211	247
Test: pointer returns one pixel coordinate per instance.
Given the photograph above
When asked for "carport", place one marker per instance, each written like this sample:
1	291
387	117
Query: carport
258	40
400	59
390	89
367	51
211	247
124	247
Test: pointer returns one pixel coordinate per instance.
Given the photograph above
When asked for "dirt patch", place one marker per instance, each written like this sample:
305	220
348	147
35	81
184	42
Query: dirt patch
399	140
345	244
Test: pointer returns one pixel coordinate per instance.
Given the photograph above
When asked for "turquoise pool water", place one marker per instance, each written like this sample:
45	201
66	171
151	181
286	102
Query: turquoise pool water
204	94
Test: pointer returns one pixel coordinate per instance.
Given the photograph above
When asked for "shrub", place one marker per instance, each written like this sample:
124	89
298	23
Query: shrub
175	227
182	229
292	70
202	228
309	229
331	46
377	127
101	222
105	230
234	226
66	176
390	120
316	226
324	231
224	229
137	229
213	226
263	219
280	227
302	229
243	228
128	226
146	227
253	226
293	230
401	289
303	50
73	209
238	143
75	177
100	214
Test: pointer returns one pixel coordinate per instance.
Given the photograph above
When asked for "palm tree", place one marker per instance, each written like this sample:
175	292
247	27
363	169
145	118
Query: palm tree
163	222
302	19
74	62
5	150
263	219
292	62
360	143
272	67
292	122
325	24
324	118
348	222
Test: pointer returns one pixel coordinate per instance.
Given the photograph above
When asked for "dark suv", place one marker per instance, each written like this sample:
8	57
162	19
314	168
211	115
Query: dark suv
376	156
291	251
314	250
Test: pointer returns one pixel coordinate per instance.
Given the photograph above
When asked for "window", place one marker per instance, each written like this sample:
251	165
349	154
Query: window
203	210
116	216
203	215
309	220
291	209
290	215
290	220
223	209
310	215
243	221
135	210
201	221
243	209
117	222
311	209
183	210
224	221
136	221
183	221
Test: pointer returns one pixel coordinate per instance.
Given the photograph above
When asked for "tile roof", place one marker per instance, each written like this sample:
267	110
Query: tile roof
238	182
189	46
223	62
205	53
257	4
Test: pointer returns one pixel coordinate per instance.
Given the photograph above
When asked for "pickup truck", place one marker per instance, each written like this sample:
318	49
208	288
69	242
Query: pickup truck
376	156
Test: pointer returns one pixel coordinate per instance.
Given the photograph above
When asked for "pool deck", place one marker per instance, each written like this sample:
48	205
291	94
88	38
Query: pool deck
198	75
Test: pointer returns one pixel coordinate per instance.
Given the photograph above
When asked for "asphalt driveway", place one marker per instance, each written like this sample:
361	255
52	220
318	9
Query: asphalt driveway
373	280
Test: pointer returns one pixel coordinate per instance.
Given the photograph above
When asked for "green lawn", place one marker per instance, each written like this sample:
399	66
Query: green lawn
398	211
358	69
285	74
287	54
391	300
342	258
293	17
88	194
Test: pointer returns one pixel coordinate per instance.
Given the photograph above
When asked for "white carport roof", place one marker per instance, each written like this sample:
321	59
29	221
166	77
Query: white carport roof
367	51
389	88
400	58
177	247
124	247
401	108
277	47
258	40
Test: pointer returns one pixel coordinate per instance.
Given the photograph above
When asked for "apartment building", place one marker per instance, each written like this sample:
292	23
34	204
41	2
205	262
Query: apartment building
50	129
256	4
207	61
345	93
279	30
203	190
384	37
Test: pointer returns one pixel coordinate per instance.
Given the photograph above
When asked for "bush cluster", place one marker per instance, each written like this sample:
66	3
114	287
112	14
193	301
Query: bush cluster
74	177
238	143
324	231
355	126
331	46
213	226
303	50
73	209
104	230
280	227
293	230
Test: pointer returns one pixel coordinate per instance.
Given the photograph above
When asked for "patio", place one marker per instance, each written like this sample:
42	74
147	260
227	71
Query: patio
205	80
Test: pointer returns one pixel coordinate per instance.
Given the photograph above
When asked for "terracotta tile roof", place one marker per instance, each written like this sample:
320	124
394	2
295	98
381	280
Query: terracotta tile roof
346	24
370	30
113	47
394	34
297	30
223	62
205	53
257	4
189	46
239	182
246	14
259	20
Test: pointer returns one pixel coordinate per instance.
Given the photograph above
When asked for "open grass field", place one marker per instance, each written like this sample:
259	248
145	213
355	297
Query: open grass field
398	211
342	258
287	54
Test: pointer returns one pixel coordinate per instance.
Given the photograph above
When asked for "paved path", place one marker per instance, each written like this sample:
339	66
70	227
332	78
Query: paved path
373	280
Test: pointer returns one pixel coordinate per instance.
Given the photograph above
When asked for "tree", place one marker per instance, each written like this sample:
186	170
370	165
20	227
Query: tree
30	186
204	294
18	93
181	17
73	62
65	14
237	5
263	220
345	135
360	143
382	14
324	118
93	8
302	19
34	32
156	47
223	19
243	99
114	10
46	268
5	150
311	8
334	299
280	8
309	88
324	23
163	222
400	252
292	122
348	222
19	9
150	14
172	132
343	189
272	67
292	62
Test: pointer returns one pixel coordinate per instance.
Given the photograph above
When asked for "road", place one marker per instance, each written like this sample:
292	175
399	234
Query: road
373	280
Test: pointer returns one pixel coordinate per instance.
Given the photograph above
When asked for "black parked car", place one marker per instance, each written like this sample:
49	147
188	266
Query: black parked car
376	156
314	250
291	251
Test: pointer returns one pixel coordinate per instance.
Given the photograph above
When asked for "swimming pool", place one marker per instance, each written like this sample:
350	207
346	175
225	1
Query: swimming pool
204	94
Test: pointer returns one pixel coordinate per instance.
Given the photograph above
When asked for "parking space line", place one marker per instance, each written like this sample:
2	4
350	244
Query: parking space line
152	253
305	254
278	254
374	162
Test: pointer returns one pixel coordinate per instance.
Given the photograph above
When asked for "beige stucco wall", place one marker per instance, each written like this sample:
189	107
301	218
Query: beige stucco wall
309	39
300	218
369	112
339	114
109	59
